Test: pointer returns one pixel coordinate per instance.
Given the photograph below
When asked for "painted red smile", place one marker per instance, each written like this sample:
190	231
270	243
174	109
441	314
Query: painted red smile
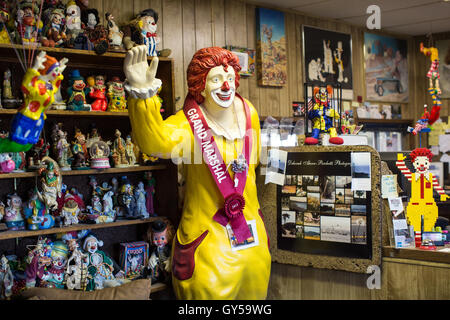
224	97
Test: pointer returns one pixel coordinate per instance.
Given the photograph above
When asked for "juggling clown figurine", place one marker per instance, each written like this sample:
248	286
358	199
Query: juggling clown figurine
322	117
423	182
221	129
433	73
39	86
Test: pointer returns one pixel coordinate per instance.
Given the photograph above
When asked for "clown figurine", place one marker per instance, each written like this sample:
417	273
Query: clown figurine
116	95
59	256
29	25
224	127
322	116
142	30
433	73
39	86
98	93
14	213
423	182
51	182
54	35
100	266
4	22
160	234
77	92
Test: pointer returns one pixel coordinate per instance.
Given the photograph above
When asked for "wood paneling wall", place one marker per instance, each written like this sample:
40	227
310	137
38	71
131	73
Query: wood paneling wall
188	25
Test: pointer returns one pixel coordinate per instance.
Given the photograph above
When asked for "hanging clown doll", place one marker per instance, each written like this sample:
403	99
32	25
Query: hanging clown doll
423	182
322	116
433	76
39	86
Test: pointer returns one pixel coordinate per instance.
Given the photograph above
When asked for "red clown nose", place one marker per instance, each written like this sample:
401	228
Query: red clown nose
225	86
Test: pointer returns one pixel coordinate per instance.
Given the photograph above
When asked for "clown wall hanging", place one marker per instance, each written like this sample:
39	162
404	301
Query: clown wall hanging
220	250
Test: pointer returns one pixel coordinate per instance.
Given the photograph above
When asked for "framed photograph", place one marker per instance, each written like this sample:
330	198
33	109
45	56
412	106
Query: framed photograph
271	48
386	68
443	47
247	60
327	57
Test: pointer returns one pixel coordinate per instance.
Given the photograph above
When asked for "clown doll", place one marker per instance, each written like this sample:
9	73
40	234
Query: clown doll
77	92
433	73
423	182
116	94
54	35
39	86
160	234
56	272
4	20
322	116
28	23
142	30
100	266
205	263
98	93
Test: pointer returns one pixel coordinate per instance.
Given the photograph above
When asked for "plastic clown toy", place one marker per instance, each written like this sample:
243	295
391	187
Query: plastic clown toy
39	86
322	117
217	136
422	184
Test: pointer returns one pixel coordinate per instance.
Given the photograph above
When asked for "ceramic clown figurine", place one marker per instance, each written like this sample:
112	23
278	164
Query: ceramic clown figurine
143	31
77	92
219	197
59	256
29	24
51	182
116	95
14	213
433	73
100	266
4	22
98	93
160	234
76	272
39	86
423	182
6	279
322	117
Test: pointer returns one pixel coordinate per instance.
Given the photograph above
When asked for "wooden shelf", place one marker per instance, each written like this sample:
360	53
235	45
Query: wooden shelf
417	254
158	287
85	172
69	113
384	121
32	233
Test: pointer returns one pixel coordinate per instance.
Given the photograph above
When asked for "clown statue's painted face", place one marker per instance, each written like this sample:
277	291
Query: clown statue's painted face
220	87
92	246
149	24
421	164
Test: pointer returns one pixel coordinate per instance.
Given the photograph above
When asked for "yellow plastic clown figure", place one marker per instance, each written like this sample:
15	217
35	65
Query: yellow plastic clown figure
423	182
220	250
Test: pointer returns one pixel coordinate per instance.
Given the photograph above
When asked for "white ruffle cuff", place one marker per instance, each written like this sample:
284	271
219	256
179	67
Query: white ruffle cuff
143	93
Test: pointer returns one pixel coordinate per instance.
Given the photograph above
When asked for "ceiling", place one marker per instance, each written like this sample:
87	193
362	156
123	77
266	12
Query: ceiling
408	17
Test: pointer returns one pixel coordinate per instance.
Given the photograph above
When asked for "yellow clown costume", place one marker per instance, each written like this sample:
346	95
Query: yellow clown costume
204	266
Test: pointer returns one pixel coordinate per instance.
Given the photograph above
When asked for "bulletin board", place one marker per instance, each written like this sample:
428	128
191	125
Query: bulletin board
327	213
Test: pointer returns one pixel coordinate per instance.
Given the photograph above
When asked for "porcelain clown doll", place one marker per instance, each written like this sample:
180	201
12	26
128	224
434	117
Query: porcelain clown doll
423	182
221	198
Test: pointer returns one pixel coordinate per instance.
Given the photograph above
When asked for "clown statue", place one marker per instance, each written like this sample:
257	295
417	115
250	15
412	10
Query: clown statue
4	21
39	86
422	183
433	73
100	266
322	117
219	196
56	272
77	92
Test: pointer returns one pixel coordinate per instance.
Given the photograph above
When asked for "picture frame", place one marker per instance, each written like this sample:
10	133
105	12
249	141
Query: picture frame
385	68
320	49
271	47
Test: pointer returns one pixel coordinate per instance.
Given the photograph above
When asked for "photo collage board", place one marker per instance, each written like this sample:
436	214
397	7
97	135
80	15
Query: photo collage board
318	212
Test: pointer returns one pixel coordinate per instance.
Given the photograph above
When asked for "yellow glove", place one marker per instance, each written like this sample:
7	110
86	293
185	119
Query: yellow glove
400	157
444	197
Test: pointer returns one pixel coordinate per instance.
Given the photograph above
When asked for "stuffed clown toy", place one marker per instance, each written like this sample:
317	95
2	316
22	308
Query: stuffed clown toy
423	183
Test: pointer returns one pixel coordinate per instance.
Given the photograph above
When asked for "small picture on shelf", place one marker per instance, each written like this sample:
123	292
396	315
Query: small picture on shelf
396	110
288	224
298	108
386	111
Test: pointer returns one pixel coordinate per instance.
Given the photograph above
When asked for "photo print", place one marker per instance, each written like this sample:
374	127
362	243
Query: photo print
299	220
297	204
336	229
343	181
289	190
313	201
358	210
361	171
299	180
288	222
301	191
328	187
313	188
311	180
284	203
276	168
311	219
340	195
299	231
359	229
326	208
359	197
348	196
342	210
312	233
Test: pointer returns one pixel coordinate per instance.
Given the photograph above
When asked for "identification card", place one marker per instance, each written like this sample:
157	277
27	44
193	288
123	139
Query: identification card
250	242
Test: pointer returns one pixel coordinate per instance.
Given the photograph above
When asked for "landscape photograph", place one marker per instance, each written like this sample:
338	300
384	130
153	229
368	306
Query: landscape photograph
288	224
335	229
313	201
312	233
311	219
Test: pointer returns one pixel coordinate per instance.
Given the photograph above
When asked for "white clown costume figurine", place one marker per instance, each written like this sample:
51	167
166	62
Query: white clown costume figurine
215	254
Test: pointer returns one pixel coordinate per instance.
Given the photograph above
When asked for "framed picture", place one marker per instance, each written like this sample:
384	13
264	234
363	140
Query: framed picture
271	47
437	169
443	47
386	68
247	59
327	57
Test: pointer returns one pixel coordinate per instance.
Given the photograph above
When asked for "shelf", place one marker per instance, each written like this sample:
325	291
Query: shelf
32	233
384	121
85	172
417	254
158	287
68	113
